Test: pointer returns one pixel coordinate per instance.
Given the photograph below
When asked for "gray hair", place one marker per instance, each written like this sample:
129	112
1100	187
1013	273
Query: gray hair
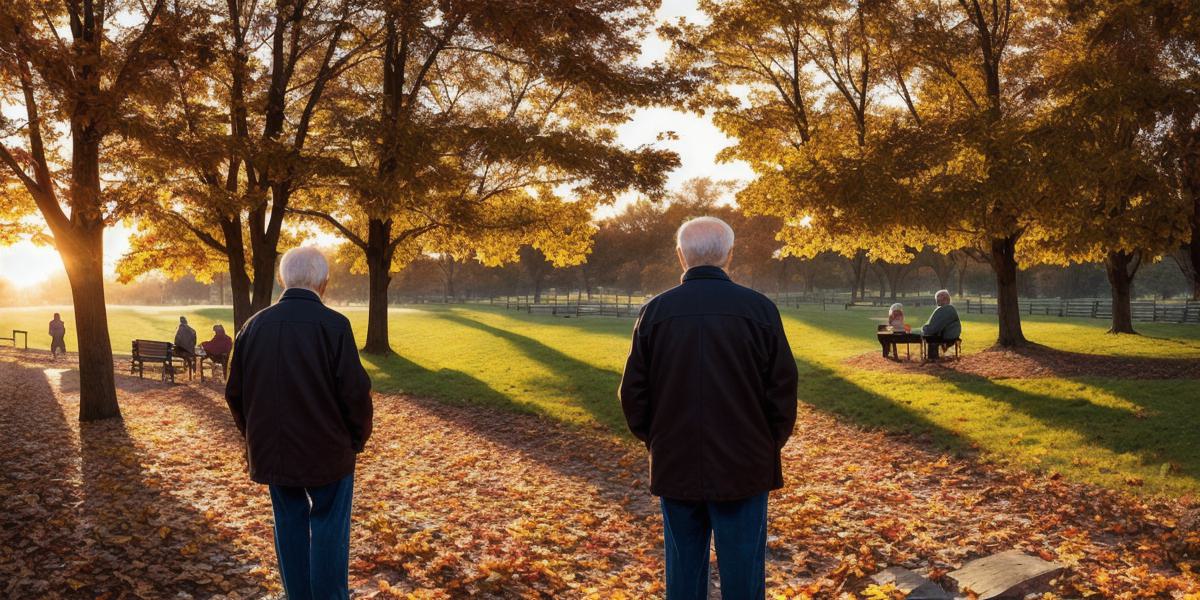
304	267
705	241
937	298
895	307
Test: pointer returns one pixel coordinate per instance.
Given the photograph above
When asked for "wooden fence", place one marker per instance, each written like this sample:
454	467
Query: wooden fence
1151	311
630	305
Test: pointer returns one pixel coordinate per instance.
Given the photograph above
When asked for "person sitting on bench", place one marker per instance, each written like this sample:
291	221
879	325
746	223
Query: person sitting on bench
943	326
219	347
185	343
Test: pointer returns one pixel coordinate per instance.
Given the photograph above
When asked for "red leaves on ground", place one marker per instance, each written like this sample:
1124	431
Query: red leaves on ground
452	501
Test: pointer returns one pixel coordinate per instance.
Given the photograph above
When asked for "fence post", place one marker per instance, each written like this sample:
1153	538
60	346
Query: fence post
1095	308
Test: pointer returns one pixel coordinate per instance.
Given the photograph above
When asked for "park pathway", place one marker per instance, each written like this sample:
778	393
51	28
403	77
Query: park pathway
458	500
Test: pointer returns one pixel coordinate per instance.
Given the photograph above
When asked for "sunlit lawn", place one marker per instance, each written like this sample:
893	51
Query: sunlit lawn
1095	429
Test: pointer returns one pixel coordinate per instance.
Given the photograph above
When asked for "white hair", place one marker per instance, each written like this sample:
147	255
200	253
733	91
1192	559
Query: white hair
705	241
895	307
304	267
937	298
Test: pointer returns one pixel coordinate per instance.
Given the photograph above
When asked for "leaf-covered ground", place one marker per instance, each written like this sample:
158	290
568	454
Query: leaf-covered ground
459	501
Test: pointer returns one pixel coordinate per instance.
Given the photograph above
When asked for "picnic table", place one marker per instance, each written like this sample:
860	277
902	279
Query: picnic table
893	339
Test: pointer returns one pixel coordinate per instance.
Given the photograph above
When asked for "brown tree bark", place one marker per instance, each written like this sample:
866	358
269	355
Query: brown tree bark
1008	309
84	263
1121	268
379	252
82	248
1194	245
858	266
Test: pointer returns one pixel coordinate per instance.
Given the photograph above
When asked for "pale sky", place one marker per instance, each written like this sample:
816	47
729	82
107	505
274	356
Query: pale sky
697	144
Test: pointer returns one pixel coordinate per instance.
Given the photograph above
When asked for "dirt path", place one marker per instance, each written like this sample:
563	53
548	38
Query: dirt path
458	500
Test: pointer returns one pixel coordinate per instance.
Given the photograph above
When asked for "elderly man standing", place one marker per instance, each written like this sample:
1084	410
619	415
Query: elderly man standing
302	400
710	387
943	326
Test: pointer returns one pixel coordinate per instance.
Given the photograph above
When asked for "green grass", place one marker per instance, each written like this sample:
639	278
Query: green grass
1096	429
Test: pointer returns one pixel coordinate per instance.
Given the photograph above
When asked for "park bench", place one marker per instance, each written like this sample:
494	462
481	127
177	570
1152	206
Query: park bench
13	338
154	353
956	345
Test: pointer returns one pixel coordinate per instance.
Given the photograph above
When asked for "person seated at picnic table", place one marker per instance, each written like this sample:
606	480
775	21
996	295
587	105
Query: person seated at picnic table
185	342
219	347
943	327
58	334
895	321
896	317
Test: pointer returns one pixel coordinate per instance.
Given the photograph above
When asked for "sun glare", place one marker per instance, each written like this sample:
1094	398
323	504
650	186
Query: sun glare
24	264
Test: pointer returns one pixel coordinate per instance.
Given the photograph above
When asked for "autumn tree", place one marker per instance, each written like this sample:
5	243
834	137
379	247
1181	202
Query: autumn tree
796	84
79	74
1110	86
481	127
234	141
1176	22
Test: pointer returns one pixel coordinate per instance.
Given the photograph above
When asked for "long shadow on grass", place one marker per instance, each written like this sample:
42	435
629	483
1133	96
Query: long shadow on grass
1150	436
829	391
594	387
620	327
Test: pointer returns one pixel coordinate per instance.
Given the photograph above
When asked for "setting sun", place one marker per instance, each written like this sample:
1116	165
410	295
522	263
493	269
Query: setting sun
25	264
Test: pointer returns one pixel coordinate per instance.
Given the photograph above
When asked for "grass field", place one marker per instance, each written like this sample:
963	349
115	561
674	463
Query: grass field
1116	432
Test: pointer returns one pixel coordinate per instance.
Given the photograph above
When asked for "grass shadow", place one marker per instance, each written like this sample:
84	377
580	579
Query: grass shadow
830	392
594	387
1160	433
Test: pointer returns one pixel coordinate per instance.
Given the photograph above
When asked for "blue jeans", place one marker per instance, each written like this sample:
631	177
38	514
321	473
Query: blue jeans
312	539
740	527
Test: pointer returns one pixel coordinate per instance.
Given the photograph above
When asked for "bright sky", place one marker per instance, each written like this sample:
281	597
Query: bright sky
698	142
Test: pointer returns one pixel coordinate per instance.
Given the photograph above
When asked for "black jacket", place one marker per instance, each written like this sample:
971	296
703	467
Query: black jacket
710	386
298	393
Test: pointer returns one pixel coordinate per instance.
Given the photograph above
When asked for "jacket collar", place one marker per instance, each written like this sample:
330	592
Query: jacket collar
704	272
299	294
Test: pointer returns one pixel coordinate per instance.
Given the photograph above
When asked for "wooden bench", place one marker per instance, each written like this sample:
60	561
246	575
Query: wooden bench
215	361
13	339
956	345
154	353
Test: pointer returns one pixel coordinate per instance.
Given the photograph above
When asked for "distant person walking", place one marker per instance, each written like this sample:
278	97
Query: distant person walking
58	336
943	326
302	400
710	387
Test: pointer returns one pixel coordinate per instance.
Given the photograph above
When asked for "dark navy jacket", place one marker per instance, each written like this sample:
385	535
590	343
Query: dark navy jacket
298	393
710	386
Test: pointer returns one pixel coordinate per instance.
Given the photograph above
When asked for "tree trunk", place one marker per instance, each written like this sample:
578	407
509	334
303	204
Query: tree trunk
858	266
1121	268
962	273
81	246
239	280
1194	246
379	253
263	285
85	271
1008	309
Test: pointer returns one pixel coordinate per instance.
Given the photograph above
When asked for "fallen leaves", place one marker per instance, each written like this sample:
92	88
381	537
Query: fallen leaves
458	501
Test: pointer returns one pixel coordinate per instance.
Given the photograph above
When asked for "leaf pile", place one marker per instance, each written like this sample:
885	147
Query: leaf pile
458	501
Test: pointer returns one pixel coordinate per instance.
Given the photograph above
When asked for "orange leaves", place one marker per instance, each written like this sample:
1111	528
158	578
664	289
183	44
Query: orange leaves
460	501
